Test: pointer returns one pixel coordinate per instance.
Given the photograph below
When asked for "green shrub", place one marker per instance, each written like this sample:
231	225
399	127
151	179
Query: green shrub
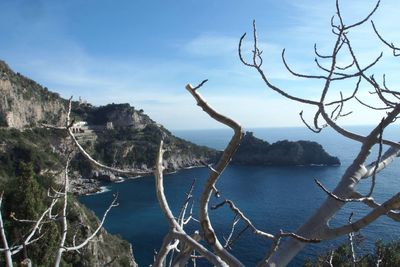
388	255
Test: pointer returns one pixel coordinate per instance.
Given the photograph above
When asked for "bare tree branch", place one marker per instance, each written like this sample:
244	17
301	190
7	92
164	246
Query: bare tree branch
176	231
208	231
7	252
316	226
373	204
239	213
378	160
372	107
359	22
62	247
264	77
29	239
390	45
387	158
392	203
350	236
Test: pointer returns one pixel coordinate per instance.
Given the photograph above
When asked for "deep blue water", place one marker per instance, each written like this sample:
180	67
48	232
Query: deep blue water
273	197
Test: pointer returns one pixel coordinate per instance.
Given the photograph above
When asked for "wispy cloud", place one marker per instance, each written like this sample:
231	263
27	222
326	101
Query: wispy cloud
211	45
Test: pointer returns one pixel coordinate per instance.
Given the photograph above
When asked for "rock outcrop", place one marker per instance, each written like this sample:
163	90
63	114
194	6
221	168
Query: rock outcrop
25	103
115	115
115	134
132	143
254	151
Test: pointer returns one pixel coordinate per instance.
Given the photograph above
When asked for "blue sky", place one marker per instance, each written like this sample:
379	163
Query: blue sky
144	52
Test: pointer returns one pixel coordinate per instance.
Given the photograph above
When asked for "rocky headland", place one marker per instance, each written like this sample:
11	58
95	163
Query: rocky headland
117	135
254	151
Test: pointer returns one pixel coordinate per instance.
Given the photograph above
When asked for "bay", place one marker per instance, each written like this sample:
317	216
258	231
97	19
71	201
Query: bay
273	198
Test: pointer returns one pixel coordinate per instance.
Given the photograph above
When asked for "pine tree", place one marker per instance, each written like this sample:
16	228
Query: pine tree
26	199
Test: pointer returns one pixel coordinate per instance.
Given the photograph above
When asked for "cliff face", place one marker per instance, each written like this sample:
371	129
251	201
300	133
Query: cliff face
24	103
120	115
119	135
116	134
136	148
254	151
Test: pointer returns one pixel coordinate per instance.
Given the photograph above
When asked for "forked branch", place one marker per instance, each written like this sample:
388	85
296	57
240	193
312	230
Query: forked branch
176	232
205	223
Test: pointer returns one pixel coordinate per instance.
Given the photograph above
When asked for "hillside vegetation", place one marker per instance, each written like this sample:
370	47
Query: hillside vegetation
32	159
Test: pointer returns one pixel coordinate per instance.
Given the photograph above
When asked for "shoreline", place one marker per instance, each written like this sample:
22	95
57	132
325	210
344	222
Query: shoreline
103	188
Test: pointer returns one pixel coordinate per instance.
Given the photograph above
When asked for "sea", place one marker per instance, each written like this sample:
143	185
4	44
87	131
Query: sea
273	198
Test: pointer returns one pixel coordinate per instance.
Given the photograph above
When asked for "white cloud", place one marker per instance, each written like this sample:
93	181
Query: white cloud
211	45
219	45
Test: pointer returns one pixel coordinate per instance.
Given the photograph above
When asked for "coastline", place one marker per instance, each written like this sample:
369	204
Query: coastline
89	187
98	187
102	189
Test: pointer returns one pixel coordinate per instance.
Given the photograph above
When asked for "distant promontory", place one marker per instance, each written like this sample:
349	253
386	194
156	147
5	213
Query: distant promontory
254	151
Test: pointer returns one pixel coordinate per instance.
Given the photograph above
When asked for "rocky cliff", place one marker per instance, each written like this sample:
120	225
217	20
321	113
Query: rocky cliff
254	151
115	134
129	141
25	103
119	115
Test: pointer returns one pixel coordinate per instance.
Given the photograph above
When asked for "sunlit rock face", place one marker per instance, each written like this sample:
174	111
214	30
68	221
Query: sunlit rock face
25	103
